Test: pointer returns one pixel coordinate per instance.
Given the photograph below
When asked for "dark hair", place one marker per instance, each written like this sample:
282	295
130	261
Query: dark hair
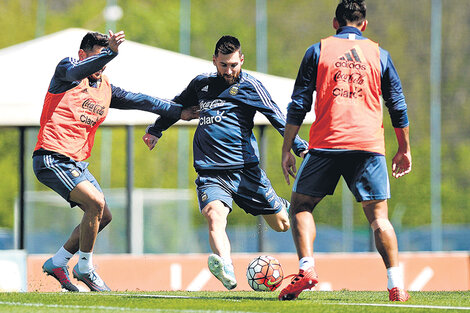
92	39
227	45
353	11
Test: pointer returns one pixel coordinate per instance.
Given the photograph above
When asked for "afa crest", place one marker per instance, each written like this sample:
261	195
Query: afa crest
74	173
234	90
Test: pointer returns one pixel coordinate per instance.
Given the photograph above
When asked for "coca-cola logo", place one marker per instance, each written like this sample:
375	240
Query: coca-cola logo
91	106
354	78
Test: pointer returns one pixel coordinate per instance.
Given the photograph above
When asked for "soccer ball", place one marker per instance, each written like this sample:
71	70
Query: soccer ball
264	273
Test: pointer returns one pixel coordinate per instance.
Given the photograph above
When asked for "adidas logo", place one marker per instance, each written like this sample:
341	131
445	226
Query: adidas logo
352	59
351	55
205	88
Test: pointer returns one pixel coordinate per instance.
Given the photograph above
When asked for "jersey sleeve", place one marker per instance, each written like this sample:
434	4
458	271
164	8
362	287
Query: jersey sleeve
185	99
273	113
392	92
125	100
71	69
305	85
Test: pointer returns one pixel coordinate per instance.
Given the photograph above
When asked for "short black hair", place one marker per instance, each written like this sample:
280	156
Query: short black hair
353	11
227	45
92	39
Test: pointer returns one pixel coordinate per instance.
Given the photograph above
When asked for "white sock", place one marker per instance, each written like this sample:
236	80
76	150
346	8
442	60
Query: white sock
85	264
62	257
395	277
306	262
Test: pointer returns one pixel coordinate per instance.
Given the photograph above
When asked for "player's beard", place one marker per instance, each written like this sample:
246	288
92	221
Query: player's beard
230	79
97	75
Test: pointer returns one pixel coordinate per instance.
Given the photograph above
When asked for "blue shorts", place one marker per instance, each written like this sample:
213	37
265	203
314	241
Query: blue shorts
250	188
62	174
364	172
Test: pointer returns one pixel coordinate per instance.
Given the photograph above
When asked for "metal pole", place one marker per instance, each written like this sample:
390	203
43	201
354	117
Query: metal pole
21	212
110	22
185	26
348	218
261	66
183	132
435	72
263	152
106	157
261	37
40	18
129	184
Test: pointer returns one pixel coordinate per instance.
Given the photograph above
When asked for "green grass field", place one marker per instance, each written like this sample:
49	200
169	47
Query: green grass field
315	301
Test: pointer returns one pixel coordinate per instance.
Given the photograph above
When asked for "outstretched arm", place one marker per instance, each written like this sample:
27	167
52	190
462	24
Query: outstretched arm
401	163
151	139
190	109
125	100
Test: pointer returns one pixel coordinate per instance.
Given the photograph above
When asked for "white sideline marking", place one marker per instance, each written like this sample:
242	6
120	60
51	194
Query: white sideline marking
422	279
413	306
201	279
143	295
101	307
146	296
162	296
176	276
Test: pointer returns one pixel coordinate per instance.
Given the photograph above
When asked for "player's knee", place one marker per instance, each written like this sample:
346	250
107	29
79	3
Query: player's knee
381	224
105	219
303	203
215	218
96	205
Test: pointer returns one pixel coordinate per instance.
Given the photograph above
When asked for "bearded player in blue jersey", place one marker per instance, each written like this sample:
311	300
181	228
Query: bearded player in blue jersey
226	155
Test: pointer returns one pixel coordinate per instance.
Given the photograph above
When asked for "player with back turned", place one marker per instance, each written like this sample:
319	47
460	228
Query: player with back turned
225	150
349	74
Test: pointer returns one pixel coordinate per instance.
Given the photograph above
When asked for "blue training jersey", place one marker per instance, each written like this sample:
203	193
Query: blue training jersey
224	137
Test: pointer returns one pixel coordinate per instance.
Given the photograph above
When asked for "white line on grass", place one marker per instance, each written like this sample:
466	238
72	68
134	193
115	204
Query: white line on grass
141	295
147	296
113	308
413	306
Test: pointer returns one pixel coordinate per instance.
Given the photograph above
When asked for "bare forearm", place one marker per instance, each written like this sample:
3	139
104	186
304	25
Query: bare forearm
403	138
289	135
